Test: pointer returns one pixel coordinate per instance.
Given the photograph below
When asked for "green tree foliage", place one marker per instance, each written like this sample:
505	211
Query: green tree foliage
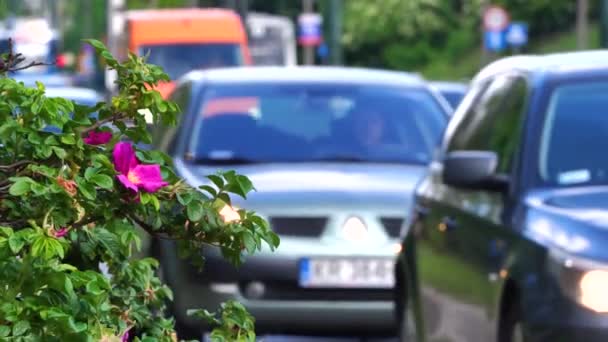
413	34
78	198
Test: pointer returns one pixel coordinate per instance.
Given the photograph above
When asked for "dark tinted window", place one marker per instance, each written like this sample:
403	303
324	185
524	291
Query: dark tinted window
281	122
178	59
573	144
494	121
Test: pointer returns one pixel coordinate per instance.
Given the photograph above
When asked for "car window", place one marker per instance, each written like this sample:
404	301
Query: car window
574	135
304	122
177	59
493	122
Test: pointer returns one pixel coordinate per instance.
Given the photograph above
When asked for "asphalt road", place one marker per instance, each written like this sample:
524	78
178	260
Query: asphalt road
322	339
282	338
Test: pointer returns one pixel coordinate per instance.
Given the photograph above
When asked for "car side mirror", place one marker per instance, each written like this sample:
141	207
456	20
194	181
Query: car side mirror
475	170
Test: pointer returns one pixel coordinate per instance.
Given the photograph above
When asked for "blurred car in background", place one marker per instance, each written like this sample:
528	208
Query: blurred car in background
181	40
82	96
272	39
507	240
50	80
453	92
334	154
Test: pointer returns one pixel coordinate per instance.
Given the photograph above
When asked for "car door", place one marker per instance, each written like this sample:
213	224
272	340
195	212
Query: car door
461	241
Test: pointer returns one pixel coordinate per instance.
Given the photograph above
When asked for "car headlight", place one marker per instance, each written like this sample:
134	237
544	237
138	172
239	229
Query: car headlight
583	280
229	214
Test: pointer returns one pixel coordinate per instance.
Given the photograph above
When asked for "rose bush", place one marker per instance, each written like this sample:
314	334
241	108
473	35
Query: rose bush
74	200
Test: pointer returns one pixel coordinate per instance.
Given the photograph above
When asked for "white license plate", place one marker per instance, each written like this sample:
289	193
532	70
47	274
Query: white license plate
347	272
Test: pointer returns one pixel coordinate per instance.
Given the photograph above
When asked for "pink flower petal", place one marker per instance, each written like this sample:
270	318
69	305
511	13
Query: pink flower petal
124	157
98	138
61	232
127	183
150	178
125	337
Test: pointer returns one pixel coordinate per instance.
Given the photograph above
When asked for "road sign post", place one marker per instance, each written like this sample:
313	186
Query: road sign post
495	21
310	34
517	35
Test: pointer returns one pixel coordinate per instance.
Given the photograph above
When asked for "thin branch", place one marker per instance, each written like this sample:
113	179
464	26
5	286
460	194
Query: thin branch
14	224
32	64
149	229
15	165
115	117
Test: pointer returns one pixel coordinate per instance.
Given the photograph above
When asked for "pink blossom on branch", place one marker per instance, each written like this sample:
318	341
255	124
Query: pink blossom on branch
133	175
61	232
125	337
97	138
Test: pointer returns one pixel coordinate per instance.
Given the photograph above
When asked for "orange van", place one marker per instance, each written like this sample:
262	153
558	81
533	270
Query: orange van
180	40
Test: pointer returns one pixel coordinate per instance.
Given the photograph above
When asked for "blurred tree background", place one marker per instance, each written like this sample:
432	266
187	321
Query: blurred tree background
440	38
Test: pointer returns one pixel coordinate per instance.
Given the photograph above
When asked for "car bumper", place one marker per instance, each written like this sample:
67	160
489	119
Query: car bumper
268	288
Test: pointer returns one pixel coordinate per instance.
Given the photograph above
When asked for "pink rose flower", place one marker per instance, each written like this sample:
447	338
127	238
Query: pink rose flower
97	138
133	175
61	232
125	337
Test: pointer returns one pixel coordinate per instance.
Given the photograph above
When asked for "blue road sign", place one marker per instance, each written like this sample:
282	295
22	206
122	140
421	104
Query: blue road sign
495	40
517	34
310	29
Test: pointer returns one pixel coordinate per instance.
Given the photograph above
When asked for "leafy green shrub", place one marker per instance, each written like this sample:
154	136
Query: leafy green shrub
75	200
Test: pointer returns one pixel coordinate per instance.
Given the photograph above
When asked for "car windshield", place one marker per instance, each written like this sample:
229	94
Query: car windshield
575	128
285	122
178	59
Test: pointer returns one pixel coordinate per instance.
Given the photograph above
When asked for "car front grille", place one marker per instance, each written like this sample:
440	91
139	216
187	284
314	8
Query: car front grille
392	225
298	226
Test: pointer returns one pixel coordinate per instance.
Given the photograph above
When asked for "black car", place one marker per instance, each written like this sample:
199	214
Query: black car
508	240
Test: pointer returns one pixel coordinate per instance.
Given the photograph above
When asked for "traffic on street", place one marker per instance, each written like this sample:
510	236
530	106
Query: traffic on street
434	171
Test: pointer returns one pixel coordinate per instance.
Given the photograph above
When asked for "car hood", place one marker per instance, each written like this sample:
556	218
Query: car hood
573	219
319	183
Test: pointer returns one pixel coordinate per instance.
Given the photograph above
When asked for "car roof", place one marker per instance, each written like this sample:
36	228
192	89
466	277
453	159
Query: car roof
555	62
180	13
449	86
319	74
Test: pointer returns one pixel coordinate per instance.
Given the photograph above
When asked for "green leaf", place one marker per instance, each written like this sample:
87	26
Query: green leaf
155	202
225	198
103	181
53	313
184	198
47	248
68	139
4	330
217	180
21	186
86	189
95	43
15	243
240	185
60	152
195	211
211	190
90	172
21	328
249	241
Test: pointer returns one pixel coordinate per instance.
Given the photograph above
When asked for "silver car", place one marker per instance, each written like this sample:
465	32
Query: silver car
335	154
